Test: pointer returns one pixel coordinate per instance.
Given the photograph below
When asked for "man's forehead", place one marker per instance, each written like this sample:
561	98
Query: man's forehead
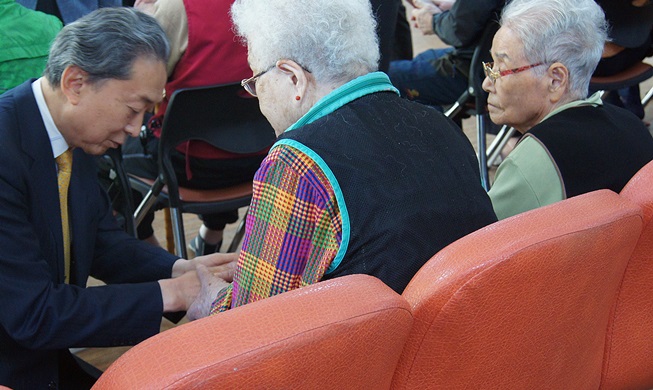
134	91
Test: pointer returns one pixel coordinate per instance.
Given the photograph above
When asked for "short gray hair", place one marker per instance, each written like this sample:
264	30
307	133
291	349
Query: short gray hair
105	43
333	39
572	32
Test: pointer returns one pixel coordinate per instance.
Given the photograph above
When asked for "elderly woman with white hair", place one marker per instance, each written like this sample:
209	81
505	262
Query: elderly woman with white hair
360	180
544	55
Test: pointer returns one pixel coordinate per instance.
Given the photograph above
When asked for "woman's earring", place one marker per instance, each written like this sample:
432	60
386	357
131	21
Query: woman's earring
297	97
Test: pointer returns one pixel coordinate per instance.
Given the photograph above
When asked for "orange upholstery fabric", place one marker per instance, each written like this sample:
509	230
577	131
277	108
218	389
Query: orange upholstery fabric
523	303
344	333
629	349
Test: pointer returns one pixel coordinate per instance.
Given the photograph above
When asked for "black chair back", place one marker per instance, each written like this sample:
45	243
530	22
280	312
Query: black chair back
225	116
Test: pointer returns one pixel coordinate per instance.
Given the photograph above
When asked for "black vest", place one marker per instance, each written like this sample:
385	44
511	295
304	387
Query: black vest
409	180
595	147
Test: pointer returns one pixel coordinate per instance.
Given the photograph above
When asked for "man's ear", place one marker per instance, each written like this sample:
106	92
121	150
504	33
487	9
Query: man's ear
297	75
73	79
558	81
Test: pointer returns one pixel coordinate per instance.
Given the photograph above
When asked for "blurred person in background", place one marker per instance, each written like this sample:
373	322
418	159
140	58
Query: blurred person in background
438	77
26	38
68	10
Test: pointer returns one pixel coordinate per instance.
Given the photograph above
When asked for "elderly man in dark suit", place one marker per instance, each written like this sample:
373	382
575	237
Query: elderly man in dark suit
103	73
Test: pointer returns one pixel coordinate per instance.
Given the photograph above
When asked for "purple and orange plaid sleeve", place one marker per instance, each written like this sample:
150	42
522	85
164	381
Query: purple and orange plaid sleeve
293	231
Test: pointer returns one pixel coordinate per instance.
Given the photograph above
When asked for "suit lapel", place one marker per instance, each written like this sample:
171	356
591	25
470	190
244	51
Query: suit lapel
35	143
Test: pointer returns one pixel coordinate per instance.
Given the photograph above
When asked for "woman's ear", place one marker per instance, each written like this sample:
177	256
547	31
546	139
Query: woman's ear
558	81
73	79
297	76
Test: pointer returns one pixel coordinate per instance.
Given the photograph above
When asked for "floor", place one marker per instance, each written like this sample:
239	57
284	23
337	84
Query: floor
103	357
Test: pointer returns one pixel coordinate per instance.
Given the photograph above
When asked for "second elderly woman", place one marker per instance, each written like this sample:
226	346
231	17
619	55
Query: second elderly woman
544	55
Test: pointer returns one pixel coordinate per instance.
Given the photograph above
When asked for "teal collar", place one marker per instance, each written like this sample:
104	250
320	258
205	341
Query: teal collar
356	88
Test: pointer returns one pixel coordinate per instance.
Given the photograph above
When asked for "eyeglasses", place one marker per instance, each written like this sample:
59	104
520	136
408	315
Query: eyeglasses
494	75
250	83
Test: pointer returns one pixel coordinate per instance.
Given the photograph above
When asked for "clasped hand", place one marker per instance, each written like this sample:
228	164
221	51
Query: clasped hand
195	283
422	15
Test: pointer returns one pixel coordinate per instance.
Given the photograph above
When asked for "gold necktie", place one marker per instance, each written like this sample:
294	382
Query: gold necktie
65	164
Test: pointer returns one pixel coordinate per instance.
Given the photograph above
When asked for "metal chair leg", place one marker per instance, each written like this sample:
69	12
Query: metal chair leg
148	201
481	123
497	145
178	232
647	97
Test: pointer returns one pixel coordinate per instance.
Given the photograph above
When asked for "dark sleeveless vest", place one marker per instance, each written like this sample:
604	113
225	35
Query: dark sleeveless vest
595	147
213	56
409	180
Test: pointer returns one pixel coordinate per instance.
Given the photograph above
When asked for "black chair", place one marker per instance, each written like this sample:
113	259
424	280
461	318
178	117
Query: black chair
474	100
224	116
634	75
116	182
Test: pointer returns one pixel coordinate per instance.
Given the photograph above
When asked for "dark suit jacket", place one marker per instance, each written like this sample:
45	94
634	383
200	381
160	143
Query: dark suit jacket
40	316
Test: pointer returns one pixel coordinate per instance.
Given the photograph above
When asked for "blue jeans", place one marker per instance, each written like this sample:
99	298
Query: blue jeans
419	80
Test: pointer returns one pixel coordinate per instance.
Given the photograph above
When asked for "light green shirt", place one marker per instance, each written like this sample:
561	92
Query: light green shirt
529	177
25	38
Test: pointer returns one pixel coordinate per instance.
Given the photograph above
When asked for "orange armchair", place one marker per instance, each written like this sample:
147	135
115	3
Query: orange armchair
343	333
522	303
527	302
629	348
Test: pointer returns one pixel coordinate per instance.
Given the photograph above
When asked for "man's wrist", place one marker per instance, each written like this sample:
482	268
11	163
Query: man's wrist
180	267
171	301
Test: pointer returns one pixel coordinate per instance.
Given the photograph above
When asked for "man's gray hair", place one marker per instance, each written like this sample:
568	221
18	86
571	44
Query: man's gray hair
105	43
333	39
572	32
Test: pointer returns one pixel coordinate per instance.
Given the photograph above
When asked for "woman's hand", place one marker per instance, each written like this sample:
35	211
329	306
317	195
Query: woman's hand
211	285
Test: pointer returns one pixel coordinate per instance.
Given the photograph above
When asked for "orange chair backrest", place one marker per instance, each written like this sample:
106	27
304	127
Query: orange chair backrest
629	349
343	333
522	303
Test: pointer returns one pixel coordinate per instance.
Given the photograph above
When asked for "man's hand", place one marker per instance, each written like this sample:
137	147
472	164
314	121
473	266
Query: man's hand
222	264
178	293
186	285
211	286
422	15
